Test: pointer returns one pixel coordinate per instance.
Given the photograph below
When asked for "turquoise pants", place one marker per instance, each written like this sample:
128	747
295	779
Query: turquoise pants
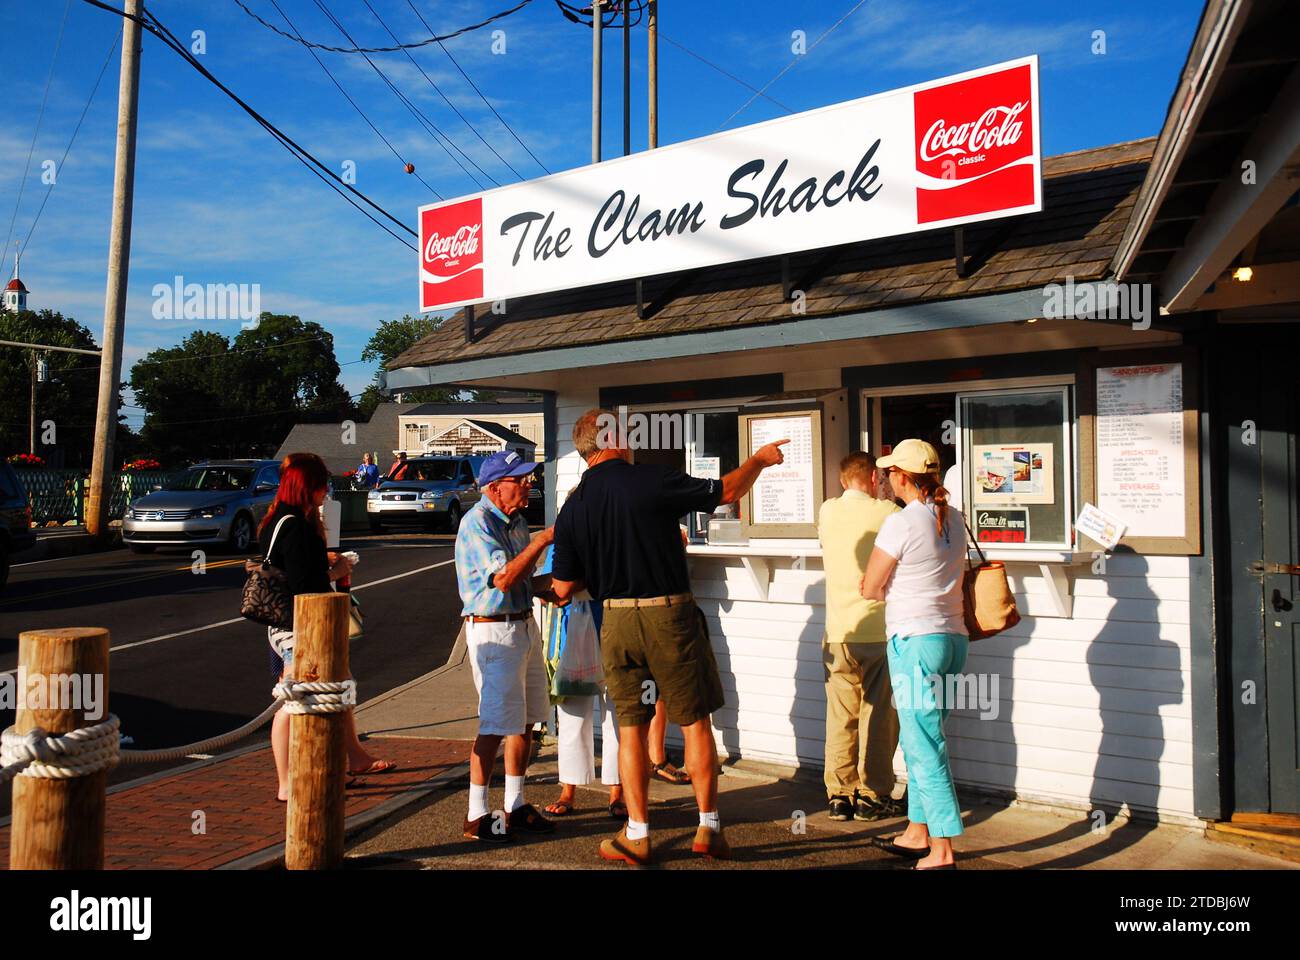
919	670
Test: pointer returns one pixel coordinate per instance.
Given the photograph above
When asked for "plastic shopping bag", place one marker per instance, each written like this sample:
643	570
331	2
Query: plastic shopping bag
579	673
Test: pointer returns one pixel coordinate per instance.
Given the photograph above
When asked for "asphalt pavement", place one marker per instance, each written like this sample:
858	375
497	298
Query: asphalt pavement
186	666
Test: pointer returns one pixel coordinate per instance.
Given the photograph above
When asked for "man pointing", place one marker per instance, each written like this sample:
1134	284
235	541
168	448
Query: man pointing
617	535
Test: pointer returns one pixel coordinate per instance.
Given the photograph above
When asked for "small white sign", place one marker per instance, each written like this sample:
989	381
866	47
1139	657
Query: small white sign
706	468
1099	526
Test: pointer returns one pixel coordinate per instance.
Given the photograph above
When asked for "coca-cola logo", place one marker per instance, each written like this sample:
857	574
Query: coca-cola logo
996	127
451	253
445	252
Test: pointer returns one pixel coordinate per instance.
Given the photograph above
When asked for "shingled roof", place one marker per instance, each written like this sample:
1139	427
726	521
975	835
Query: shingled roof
1087	200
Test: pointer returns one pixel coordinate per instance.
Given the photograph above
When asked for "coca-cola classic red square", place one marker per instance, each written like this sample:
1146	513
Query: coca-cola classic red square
975	145
451	253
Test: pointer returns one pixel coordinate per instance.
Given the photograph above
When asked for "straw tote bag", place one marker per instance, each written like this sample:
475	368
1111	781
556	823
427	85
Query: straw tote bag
988	606
266	596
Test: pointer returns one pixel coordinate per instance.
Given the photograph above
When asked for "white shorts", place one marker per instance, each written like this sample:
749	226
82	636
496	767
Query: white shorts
509	675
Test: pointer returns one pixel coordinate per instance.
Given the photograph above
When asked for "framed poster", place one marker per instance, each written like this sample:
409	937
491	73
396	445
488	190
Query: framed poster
785	499
1012	473
1138	419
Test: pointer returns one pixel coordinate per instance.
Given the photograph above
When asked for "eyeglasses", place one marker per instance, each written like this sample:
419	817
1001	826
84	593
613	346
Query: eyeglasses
522	481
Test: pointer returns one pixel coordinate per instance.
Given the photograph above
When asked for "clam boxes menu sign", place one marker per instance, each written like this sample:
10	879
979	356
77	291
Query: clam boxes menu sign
1140	467
784	493
951	151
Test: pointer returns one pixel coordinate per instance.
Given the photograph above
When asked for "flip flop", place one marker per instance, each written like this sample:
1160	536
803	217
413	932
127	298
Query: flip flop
674	776
560	808
618	810
377	766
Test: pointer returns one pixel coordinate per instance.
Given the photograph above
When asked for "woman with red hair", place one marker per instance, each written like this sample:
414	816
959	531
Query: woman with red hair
296	546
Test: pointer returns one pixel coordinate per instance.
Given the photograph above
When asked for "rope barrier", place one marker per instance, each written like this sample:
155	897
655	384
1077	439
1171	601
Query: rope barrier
88	750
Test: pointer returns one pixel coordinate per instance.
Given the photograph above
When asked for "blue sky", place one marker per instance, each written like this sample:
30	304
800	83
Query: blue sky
218	201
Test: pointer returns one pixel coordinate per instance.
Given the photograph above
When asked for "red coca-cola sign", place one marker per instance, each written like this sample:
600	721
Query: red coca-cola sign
975	146
451	253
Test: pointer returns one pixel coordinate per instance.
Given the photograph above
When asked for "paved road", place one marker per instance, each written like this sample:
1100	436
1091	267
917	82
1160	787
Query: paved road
185	666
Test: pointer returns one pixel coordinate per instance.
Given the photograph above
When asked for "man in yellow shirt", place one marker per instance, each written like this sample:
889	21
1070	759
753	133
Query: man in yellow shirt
861	723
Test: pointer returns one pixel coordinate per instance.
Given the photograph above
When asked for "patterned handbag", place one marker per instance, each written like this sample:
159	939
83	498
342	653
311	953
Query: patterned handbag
266	591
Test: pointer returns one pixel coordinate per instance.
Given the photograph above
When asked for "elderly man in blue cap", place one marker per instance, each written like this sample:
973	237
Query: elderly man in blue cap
495	557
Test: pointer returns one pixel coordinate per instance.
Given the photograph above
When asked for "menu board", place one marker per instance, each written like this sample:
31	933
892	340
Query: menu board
1140	448
784	493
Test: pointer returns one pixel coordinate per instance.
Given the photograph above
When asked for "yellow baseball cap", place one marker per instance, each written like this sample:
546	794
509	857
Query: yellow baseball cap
914	456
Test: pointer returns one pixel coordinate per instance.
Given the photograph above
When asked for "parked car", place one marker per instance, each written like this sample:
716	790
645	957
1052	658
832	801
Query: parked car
16	533
436	492
217	503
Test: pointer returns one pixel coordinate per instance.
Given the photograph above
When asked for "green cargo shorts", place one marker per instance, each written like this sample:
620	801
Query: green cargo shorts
659	652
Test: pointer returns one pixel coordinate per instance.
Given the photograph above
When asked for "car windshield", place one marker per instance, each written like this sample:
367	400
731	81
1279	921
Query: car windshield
434	470
219	479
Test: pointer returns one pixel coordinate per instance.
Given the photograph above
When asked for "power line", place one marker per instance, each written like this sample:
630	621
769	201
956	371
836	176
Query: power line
444	49
39	117
71	141
730	76
321	64
786	69
411	107
401	46
441	94
158	29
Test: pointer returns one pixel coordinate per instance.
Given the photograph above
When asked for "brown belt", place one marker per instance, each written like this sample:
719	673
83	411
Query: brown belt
499	618
672	600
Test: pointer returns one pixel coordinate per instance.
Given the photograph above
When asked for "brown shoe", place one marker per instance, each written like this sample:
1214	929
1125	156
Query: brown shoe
482	829
526	819
634	852
711	843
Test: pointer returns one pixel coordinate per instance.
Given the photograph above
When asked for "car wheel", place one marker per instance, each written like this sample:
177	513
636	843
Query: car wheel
376	526
453	517
241	534
140	548
4	566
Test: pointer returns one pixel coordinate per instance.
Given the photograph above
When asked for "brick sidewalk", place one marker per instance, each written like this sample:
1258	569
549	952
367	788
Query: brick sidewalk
150	825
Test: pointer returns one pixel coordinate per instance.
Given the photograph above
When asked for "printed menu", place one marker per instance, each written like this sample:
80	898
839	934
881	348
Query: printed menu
784	493
1140	477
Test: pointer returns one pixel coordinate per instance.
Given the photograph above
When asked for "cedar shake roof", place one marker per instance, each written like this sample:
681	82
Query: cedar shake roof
1087	199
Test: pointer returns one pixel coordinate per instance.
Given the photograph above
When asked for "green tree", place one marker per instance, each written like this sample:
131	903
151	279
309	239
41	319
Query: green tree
68	399
394	337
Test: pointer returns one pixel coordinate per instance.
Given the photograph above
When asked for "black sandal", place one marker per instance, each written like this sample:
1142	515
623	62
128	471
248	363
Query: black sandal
618	810
676	777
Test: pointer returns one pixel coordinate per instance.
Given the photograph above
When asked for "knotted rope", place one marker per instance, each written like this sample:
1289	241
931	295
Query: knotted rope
88	750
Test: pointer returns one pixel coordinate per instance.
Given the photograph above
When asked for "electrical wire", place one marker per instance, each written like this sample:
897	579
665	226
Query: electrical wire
411	107
355	106
37	132
401	46
438	89
471	82
730	76
71	141
786	69
151	23
575	14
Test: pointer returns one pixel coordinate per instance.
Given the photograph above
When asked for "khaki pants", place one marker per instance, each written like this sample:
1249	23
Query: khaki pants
861	723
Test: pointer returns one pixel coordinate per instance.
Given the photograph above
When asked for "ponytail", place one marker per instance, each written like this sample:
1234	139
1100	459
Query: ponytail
933	489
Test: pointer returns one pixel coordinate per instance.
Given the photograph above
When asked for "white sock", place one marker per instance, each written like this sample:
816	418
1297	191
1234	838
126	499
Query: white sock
478	800
637	830
710	820
514	793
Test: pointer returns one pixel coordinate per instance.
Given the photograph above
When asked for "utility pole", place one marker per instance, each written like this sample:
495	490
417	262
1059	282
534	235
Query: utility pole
652	28
627	81
119	259
31	419
595	80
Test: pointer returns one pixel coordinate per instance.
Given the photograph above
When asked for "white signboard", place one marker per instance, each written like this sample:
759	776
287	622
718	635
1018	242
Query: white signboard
706	468
1101	527
1140	470
784	493
957	150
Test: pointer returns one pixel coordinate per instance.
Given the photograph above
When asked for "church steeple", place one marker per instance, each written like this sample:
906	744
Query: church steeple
15	294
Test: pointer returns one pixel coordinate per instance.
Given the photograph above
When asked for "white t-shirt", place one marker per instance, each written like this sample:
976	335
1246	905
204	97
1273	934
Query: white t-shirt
924	593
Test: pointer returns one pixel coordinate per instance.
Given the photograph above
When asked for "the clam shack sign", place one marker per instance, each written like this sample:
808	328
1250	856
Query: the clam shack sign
943	153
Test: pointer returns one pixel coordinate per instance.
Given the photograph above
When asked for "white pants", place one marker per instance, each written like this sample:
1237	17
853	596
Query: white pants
577	740
509	674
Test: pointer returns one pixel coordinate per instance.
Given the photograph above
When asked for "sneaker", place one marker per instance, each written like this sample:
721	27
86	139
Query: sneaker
526	819
482	829
886	808
711	843
634	852
841	809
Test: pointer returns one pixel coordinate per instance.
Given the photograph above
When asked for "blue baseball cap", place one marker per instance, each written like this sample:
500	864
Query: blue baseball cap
504	463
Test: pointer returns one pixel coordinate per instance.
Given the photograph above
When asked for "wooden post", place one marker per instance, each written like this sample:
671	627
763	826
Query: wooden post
59	824
317	751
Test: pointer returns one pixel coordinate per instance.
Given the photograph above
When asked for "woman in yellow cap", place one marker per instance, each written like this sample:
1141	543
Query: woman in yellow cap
917	568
